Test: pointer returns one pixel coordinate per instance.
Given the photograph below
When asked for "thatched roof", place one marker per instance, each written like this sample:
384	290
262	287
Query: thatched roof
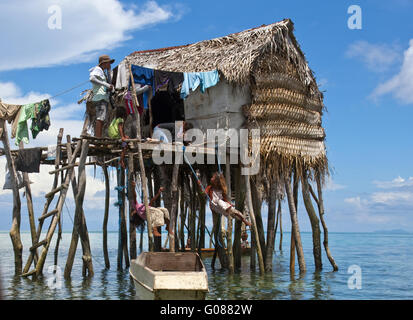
233	55
286	103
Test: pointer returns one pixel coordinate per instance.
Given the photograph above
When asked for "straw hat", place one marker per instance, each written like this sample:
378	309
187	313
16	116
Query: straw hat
105	58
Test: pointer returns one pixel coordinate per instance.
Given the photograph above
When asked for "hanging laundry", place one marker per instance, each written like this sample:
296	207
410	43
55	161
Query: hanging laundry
22	132
41	119
168	80
28	160
39	113
128	103
7	181
122	79
8	112
142	75
194	79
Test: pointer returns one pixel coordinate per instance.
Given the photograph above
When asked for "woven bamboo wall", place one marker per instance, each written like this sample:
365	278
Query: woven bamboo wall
288	114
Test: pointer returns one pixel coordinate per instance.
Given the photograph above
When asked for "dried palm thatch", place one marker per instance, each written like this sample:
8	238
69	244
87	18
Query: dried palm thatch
285	101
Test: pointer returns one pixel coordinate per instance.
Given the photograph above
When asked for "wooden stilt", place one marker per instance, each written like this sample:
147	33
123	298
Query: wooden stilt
120	245
124	231
315	223
29	201
174	199
239	205
295	232
79	224
75	232
254	223
257	205
132	229
270	227
106	217
141	164
15	227
279	212
229	222
320	205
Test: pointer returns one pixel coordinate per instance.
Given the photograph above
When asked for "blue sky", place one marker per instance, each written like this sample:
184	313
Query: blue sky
365	75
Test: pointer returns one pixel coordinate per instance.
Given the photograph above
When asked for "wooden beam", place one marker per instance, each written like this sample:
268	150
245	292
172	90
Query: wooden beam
53	212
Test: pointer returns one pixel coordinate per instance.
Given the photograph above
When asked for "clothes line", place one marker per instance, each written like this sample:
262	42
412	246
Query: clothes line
160	80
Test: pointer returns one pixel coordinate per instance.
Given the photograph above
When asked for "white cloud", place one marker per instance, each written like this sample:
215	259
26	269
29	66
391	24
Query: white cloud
398	182
398	197
401	85
392	198
87	27
377	57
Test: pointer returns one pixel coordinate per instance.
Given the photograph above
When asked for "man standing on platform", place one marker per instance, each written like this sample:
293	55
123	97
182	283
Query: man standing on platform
101	89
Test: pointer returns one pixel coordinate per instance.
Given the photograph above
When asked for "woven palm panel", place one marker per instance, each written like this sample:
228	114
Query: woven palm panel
291	146
282	111
282	95
301	130
279	80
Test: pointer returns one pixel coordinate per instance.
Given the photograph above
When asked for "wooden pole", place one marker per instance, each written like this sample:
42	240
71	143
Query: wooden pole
106	217
15	227
295	231
281	225
257	205
120	246
239	205
183	212
75	232
132	229
192	216
254	223
79	224
141	164
315	223
320	204
174	199
229	222
124	231
270	227
29	201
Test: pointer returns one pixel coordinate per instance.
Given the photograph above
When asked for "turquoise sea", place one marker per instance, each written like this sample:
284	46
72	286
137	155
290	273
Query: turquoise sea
384	263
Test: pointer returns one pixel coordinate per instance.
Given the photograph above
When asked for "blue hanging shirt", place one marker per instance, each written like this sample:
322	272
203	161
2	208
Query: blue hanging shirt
143	76
194	79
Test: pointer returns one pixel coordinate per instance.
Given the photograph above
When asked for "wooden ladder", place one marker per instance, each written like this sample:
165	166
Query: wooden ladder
55	213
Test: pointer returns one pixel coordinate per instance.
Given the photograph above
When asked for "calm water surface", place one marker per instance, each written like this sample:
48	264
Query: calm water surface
386	262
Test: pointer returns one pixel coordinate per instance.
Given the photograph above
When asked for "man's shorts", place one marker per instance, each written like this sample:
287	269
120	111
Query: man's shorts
101	108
